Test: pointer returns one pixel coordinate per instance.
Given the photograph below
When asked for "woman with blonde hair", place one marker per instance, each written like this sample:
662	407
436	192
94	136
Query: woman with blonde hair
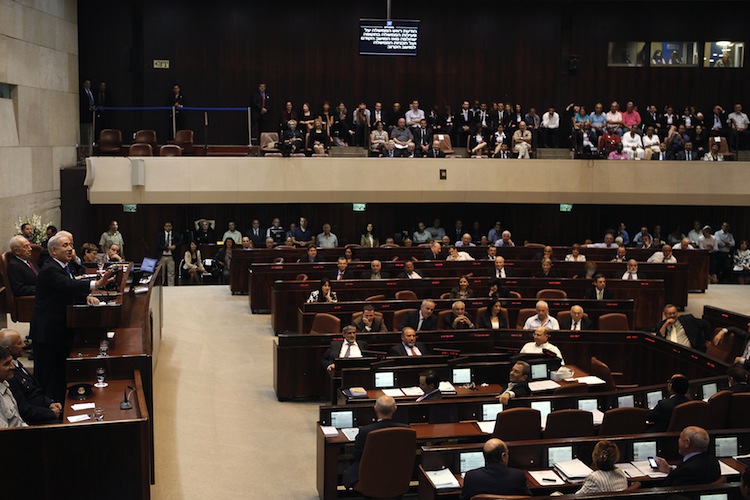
606	477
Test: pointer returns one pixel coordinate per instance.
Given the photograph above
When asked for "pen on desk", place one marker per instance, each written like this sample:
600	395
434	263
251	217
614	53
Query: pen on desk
547	479
627	473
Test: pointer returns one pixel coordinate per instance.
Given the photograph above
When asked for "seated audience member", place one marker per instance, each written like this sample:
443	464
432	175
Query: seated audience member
421	320
349	255
269	242
495	478
614	119
113	253
607	477
665	256
618	153
609	242
608	143
247	243
491	253
495	290
311	255
385	407
522	141
368	238
493	319
676	140
193	263
685	329
204	234
389	150
547	253
589	271
342	272
741	263
434	252
687	154
22	270
505	240
458	320
462	291
421	235
224	258
369	321
409	271
302	235
546	270
455	255
90	256
500	270
661	154
518	385
478	143
232	232
318	138
275	231
575	254
422	138
497	140
541	344
577	320
34	406
323	294
541	318
738	378
684	244
632	144
430	385
494	234
409	345
697	466
435	151
631	273
677	386
743	359
378	138
599	290
586	142
465	241
402	138
327	239
646	243
375	272
713	154
700	141
10	415
650	142
621	255
349	347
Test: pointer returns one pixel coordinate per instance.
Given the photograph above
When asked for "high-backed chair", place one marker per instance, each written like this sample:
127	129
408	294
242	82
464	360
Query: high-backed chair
518	424
602	371
722	351
406	295
569	423
614	321
110	141
268	141
688	413
623	421
375	298
718	409
514	294
170	150
739	409
483	310
524	314
20	308
301	277
399	316
444	319
551	293
387	462
326	323
146	137
278	260
184	139
445	143
140	149
446	295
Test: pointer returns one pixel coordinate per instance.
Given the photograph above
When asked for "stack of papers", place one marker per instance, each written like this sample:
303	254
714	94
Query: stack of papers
598	416
590	380
394	393
350	433
355	392
543	385
442	479
446	387
573	471
413	391
329	431
645	469
629	470
546	477
726	470
488	427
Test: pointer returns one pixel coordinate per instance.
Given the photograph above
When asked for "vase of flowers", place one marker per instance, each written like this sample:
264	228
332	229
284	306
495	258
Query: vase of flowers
39	228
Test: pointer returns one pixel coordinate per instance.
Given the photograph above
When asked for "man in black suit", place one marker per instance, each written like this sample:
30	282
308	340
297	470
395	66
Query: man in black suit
166	243
697	466
103	98
256	234
369	321
22	271
260	102
33	405
409	271
341	272
464	122
599	290
311	255
717	123
577	320
86	103
500	270
385	407
56	289
662	413
685	329
687	154
434	253
738	378
421	320
176	101
409	346
429	383
435	151
376	271
495	478
518	385
422	138
744	359
349	347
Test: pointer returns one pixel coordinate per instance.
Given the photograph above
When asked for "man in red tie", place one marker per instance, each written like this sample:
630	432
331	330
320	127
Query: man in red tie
22	270
409	345
341	272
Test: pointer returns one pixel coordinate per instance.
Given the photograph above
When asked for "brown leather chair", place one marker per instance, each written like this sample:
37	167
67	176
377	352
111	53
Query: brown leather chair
325	323
569	423
170	150
19	308
375	298
406	295
724	350
399	316
446	295
389	245
146	137
184	139
352	245
301	277
266	138
551	293
524	314
278	260
689	413
110	141
718	409
518	424
387	462
574	388
739	409
443	318
623	421
514	294
445	143
140	149
285	247
602	371
614	321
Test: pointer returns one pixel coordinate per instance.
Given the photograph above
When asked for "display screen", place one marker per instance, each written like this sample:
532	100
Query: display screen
382	37
384	379
490	411
644	449
726	446
559	454
539	371
652	399
470	460
625	401
709	390
588	405
342	419
462	375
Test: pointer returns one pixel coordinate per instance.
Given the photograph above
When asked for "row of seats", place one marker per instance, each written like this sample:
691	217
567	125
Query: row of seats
145	143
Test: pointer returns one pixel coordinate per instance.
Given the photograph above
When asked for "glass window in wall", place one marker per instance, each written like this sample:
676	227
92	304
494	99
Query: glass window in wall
724	54
627	54
674	54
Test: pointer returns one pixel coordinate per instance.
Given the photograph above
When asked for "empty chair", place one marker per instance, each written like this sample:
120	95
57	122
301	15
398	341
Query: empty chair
739	409
406	295
170	150
518	424
718	409
445	143
689	413
399	316
614	321
278	260
325	323
301	277
110	141
140	149
387	462
623	421
352	245
446	295
569	423
268	142
524	314
374	298
551	293
146	137
184	139
602	371
574	388
514	294
444	319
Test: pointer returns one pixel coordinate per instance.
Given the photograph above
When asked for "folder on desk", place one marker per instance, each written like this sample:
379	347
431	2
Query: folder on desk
443	478
355	393
573	471
446	387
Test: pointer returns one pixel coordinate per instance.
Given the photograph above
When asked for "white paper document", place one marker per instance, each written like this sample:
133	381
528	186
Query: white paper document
329	431
646	470
350	433
546	477
727	470
443	478
78	418
543	385
394	393
446	387
598	416
413	391
590	380
487	427
573	470
83	406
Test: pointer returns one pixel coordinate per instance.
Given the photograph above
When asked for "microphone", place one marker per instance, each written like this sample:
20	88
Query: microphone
125	404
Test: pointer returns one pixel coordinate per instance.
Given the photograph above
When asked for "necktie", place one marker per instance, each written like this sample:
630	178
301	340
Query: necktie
340	276
576	326
419	326
411	351
90	96
263	99
67	270
348	349
28	263
630	276
599	294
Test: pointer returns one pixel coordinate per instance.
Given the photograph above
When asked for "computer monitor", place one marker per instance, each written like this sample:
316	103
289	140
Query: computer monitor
490	411
588	404
544	407
148	265
342	419
643	449
626	401
384	380
539	371
652	399
726	446
462	375
470	460
714	496
559	454
709	389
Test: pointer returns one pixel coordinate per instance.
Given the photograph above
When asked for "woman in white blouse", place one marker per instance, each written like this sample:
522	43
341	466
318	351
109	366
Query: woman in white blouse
575	254
606	476
650	141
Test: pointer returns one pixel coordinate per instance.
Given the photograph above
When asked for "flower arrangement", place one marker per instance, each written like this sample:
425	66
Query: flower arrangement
39	228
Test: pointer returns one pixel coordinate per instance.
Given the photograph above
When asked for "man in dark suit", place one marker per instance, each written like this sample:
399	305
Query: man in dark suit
369	321
577	320
103	98
421	320
311	255
500	271
409	271
260	102
435	151
429	383
697	466
166	243
55	291
495	478
685	329
22	271
376	271
33	405
176	101
518	385
599	290
86	103
687	154
464	122
341	272
349	347
662	413
434	253
744	359
256	234
738	378
422	138
409	346
385	407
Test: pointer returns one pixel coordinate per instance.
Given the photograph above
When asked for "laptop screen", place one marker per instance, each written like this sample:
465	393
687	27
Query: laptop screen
588	405
490	411
148	265
470	460
709	390
462	375
342	419
539	371
652	399
625	401
643	449
559	454
384	379
726	446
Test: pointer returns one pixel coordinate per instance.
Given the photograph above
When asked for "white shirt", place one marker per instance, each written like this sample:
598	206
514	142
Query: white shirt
412	116
603	245
571	258
354	352
724	240
677	246
330	241
9	415
658	257
461	256
707	243
627	276
532	348
739	120
550	120
235	235
630	142
534	322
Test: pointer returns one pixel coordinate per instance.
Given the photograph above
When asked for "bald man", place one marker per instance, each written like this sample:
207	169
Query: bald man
22	270
697	466
577	320
385	407
495	478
